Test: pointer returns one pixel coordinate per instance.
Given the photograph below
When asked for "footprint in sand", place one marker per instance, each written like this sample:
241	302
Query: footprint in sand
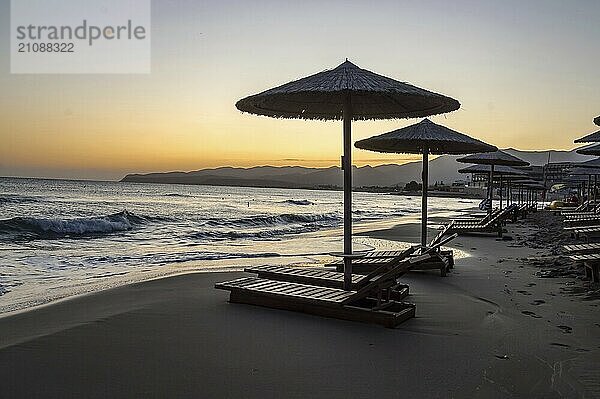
565	329
532	314
538	302
524	292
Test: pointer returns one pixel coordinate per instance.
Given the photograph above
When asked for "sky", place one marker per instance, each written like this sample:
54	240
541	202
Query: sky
525	72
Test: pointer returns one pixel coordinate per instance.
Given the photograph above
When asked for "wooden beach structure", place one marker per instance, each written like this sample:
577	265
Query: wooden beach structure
344	93
586	224
372	302
493	159
425	138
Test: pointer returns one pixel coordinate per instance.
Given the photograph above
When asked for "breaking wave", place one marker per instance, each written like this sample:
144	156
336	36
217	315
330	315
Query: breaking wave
265	227
56	228
275	220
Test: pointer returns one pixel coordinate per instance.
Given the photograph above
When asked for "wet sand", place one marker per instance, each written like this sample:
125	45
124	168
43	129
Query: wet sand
494	328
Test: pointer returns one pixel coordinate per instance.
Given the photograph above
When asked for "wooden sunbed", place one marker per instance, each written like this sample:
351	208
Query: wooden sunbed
583	248
491	225
439	260
583	208
583	221
591	262
370	303
335	279
584	232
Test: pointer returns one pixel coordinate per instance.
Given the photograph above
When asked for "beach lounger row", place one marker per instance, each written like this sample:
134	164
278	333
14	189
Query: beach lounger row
586	254
586	207
492	224
371	301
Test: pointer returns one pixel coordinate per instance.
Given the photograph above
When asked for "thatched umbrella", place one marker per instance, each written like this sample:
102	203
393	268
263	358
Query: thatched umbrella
590	138
593	167
503	172
529	185
424	138
498	158
589	150
347	93
589	169
498	170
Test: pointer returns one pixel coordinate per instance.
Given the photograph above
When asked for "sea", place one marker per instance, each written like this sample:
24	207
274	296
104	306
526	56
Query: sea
60	238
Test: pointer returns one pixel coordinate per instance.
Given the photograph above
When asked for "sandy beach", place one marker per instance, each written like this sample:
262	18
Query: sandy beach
494	328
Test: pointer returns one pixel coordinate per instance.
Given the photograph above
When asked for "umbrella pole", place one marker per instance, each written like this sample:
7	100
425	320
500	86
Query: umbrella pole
500	192
425	184
595	189
347	167
491	188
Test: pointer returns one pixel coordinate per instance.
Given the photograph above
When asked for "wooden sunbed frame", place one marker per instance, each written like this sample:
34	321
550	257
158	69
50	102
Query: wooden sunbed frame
591	262
439	260
333	279
370	303
491	225
584	232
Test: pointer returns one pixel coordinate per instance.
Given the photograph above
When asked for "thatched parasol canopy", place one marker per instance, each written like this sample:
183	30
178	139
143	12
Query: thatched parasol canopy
322	96
347	93
500	170
597	120
590	150
493	158
424	136
590	138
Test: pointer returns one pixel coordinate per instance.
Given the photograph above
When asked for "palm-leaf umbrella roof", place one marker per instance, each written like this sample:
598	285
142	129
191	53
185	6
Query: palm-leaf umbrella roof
425	135
347	93
590	138
322	96
424	138
589	150
597	120
499	169
493	158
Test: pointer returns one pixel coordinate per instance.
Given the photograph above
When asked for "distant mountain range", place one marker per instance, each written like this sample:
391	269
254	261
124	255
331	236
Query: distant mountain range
444	168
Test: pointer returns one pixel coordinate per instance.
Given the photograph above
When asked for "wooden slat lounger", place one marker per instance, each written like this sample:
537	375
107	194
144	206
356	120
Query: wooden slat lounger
583	248
583	221
334	279
591	263
439	260
492	225
582	215
581	208
584	231
370	303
